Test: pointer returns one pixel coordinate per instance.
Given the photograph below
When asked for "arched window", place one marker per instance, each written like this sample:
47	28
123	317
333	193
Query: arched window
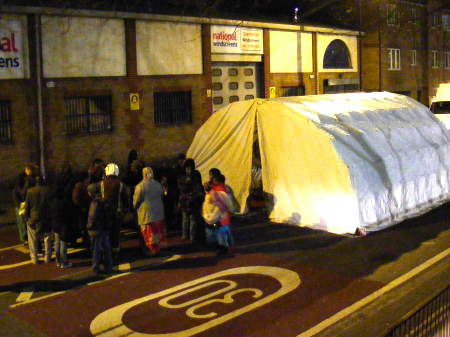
337	56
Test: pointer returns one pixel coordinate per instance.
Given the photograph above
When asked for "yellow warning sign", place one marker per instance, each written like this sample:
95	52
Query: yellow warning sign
134	101
272	92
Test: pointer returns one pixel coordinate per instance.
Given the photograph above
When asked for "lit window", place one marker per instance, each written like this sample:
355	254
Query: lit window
88	114
434	59
392	14
394	59
172	108
5	122
413	57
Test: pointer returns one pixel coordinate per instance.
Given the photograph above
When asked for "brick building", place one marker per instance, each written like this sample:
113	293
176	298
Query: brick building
77	84
405	47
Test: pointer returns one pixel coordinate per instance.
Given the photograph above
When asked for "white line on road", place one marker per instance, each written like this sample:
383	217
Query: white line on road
136	264
18	264
11	247
373	296
25	295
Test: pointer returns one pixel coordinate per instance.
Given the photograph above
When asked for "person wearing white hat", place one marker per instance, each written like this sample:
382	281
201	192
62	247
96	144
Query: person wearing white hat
115	195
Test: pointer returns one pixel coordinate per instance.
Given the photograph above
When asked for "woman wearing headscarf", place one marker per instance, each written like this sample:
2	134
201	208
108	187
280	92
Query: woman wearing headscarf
148	202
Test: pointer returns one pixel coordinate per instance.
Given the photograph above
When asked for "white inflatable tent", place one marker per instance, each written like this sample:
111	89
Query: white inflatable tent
332	162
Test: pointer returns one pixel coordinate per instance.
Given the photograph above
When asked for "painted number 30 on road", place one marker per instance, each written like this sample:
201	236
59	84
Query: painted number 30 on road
110	322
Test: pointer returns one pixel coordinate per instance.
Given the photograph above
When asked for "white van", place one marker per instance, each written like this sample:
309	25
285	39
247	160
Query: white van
440	104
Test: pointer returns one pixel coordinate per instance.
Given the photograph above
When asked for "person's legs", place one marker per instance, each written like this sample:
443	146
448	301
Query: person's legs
224	240
96	252
58	249
185	225
32	244
192	227
106	247
48	243
21	227
114	238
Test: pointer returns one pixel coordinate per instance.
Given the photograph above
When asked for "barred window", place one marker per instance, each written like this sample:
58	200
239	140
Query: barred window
5	122
88	114
173	107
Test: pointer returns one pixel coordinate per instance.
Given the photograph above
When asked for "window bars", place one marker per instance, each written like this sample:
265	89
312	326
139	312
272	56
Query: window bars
172	108
88	114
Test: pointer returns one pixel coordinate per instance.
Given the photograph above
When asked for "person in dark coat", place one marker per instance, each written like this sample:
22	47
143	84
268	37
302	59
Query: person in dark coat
81	201
99	229
37	204
25	180
190	202
59	224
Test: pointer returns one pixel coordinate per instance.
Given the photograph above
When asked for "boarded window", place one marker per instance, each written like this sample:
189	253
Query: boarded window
172	108
88	114
337	56
5	122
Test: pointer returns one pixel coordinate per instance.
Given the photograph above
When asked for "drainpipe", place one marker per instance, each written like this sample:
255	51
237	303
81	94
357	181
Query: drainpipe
37	29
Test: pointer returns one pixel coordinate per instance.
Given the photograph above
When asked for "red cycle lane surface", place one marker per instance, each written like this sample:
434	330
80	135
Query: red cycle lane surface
315	295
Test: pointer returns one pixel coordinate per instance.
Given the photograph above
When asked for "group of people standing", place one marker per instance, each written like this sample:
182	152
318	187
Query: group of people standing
93	206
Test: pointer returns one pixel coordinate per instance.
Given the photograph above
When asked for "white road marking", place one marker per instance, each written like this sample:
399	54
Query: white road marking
373	296
18	264
25	295
136	264
11	247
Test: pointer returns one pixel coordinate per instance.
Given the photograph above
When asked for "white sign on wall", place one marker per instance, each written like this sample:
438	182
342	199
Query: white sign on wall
12	52
236	40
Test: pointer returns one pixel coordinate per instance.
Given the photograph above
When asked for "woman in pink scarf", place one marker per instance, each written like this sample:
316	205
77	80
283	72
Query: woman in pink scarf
217	209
